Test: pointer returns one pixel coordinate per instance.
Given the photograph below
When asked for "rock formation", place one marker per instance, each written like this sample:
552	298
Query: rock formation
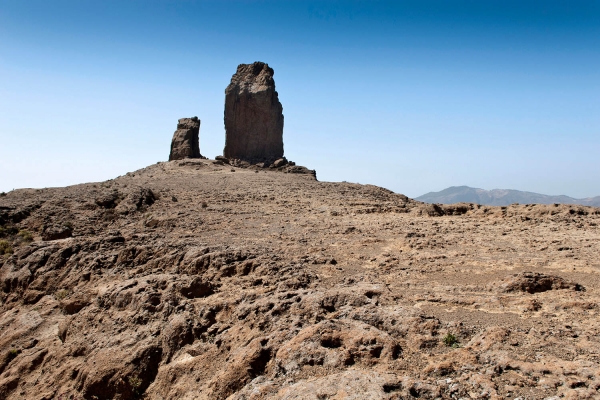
185	143
253	115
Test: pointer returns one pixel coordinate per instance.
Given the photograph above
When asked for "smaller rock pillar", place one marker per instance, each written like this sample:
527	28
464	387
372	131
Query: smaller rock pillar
186	142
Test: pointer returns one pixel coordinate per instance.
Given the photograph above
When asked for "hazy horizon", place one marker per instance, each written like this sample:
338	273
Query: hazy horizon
414	96
499	189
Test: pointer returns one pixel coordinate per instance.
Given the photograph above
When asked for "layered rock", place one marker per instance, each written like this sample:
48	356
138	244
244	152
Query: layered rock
185	143
253	115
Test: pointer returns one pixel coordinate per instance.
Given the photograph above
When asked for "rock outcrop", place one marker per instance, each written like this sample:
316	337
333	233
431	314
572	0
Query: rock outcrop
253	115
185	143
535	282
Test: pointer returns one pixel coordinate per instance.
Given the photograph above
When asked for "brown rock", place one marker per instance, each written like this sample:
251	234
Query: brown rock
196	288
253	115
185	143
136	199
535	282
32	296
246	363
224	160
73	305
280	163
55	232
107	199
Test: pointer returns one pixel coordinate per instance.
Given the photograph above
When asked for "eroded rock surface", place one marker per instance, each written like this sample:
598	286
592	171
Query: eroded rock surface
253	115
200	280
535	282
186	142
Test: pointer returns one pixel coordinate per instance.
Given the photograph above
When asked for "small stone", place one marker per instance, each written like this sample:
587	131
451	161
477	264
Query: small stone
280	162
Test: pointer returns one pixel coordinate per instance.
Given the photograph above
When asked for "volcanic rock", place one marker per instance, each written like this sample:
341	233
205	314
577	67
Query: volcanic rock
253	115
535	282
184	280
185	143
280	163
55	232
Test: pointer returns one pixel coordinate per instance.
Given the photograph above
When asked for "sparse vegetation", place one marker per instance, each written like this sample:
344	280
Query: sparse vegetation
204	204
210	338
7	230
61	294
2	194
135	382
450	340
5	247
26	235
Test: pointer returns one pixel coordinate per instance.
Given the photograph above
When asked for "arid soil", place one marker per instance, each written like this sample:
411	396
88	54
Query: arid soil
199	280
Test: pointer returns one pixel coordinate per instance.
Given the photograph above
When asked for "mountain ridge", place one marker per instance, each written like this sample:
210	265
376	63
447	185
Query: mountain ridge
500	197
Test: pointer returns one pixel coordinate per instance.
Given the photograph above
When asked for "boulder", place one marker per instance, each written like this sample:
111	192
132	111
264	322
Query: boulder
253	115
185	143
280	163
56	232
535	282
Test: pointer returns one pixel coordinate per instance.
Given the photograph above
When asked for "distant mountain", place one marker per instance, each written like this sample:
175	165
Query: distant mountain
500	197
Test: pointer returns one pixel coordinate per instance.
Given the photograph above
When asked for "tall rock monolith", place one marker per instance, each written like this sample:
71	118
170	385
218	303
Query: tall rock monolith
185	143
253	115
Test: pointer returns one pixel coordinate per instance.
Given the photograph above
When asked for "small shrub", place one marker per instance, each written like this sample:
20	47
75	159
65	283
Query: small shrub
135	382
7	231
204	204
450	340
5	247
68	224
210	338
2	194
26	235
61	294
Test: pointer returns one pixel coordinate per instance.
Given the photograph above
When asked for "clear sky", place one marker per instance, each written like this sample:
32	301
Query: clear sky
414	96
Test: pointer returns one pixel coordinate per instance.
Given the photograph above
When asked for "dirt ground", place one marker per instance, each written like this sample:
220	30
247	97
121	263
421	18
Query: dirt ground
197	279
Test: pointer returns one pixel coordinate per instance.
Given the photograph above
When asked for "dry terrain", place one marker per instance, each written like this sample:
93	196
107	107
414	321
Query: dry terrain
196	279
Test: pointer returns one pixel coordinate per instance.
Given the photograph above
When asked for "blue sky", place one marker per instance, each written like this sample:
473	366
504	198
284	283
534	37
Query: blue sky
414	96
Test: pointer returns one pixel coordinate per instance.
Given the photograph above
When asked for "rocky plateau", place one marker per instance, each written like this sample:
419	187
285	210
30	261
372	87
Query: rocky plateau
217	279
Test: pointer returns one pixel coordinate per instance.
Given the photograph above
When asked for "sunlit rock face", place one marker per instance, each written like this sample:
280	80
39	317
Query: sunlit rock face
253	115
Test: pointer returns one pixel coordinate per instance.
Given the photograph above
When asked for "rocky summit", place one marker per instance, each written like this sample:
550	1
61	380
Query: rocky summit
186	142
253	115
197	279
